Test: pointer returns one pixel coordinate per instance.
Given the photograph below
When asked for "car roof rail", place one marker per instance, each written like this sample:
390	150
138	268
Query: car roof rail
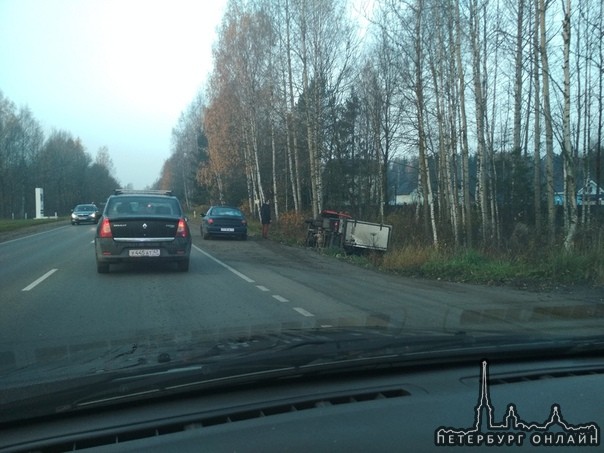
146	191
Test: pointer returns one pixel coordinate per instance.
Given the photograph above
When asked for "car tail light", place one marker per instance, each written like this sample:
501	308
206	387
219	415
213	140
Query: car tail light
181	231
210	221
105	230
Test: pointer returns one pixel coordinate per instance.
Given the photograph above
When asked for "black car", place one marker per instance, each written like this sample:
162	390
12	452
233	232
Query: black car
224	221
85	213
141	226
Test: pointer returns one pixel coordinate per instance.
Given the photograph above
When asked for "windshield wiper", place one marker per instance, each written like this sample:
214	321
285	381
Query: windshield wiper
289	355
138	373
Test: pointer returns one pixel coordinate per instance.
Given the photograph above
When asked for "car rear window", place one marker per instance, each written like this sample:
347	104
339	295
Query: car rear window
226	211
142	206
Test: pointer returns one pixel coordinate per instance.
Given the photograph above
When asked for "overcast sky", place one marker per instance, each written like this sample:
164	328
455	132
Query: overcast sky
115	73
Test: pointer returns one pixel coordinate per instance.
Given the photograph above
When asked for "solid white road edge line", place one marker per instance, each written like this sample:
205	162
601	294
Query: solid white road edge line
40	280
226	266
35	234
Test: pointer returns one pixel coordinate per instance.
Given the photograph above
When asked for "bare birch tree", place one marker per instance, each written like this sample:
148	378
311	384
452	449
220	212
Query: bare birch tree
537	120
567	152
463	127
480	107
419	92
548	122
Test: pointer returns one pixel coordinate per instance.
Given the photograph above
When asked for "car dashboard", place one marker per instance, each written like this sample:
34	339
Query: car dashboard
555	403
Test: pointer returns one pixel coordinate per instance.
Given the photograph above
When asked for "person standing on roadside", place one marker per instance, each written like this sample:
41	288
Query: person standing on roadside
265	218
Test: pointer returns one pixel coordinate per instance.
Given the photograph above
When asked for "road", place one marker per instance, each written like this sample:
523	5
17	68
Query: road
53	302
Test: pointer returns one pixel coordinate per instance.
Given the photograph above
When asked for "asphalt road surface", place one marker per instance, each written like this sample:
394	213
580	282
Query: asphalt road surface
53	302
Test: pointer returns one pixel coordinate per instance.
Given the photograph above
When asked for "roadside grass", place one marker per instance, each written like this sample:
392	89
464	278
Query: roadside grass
8	225
569	268
254	229
550	269
290	230
531	269
534	269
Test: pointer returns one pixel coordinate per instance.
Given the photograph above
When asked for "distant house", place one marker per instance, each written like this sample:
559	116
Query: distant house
589	194
411	198
415	197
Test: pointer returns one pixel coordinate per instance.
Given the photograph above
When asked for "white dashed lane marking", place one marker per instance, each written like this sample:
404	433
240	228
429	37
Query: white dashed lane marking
35	283
299	310
303	312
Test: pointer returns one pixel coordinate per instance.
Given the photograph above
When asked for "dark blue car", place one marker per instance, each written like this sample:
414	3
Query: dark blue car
225	221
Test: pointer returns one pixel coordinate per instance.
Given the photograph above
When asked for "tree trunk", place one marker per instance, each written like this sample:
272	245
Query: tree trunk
549	134
517	202
480	127
428	201
292	134
465	155
569	164
537	119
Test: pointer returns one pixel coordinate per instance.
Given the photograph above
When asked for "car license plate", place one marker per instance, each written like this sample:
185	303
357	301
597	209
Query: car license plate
228	230
144	252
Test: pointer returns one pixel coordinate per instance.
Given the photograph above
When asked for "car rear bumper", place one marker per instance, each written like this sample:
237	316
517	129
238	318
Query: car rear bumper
226	231
110	251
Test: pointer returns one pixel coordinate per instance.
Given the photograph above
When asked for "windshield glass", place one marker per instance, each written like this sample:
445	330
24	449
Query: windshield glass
85	208
409	182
